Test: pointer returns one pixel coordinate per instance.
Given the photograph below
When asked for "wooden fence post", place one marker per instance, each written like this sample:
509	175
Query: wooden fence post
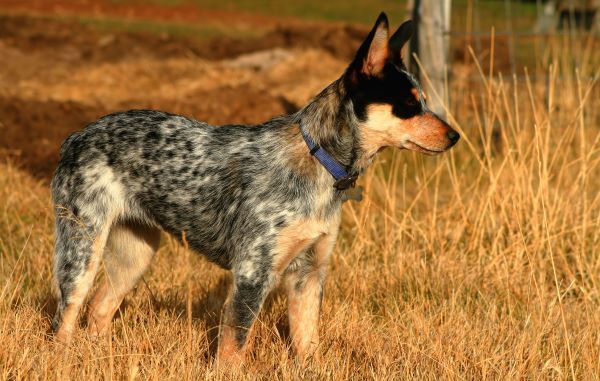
431	43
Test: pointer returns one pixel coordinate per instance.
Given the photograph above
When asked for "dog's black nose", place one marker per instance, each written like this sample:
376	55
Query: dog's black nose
453	136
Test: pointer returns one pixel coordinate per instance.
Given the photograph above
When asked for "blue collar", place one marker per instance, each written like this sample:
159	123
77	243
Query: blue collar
342	179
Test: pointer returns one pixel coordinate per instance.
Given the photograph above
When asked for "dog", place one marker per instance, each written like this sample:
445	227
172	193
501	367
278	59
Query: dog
263	201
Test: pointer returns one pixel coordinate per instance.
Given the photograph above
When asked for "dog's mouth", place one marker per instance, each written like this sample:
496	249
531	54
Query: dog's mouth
418	148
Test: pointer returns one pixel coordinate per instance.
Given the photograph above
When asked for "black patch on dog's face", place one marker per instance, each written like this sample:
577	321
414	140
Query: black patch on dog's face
366	81
393	87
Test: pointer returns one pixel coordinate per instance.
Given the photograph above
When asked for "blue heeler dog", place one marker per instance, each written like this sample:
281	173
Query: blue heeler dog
263	201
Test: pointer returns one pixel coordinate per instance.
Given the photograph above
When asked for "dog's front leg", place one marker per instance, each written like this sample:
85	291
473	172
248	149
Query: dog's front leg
304	287
249	291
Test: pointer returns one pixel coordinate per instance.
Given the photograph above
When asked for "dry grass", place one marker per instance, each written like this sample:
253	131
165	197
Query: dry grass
479	264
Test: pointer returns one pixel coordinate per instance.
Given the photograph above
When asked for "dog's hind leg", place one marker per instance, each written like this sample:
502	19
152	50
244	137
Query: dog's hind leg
129	251
78	250
87	202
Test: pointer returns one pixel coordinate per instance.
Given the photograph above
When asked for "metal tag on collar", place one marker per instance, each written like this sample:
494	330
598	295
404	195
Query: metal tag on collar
354	194
346	182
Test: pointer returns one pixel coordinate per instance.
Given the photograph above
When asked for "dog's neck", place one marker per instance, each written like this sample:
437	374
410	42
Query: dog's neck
330	121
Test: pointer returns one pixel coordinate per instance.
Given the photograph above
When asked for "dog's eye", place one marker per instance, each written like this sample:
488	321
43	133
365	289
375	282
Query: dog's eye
411	102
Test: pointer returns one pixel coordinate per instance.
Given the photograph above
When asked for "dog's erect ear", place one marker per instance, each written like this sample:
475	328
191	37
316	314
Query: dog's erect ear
399	38
374	51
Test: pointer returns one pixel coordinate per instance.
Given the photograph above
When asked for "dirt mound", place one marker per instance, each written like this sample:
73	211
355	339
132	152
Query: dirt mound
71	39
60	75
31	131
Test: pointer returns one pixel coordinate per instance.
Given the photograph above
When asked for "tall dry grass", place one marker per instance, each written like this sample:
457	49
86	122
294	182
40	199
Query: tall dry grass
482	263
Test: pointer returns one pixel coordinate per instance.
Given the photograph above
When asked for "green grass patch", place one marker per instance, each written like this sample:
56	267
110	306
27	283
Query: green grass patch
172	3
177	29
490	13
364	12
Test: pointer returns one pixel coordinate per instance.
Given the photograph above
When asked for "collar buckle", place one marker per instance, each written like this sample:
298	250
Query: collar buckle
345	182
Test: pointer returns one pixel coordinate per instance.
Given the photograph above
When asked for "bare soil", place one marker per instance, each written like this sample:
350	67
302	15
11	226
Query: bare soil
59	74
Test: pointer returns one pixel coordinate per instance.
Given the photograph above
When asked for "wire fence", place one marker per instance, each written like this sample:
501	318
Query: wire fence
516	52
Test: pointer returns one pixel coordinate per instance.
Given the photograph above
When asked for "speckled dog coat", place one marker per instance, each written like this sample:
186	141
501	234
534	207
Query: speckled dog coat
250	198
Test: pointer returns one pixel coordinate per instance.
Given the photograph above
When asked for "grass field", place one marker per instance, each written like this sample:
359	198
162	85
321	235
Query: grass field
482	263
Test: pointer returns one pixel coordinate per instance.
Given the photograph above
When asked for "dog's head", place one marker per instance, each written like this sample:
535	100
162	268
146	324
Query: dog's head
388	101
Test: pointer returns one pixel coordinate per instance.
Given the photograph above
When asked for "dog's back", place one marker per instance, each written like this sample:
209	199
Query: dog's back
219	185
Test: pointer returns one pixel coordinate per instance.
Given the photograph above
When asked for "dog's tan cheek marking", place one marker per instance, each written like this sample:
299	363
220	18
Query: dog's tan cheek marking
380	117
373	140
381	129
